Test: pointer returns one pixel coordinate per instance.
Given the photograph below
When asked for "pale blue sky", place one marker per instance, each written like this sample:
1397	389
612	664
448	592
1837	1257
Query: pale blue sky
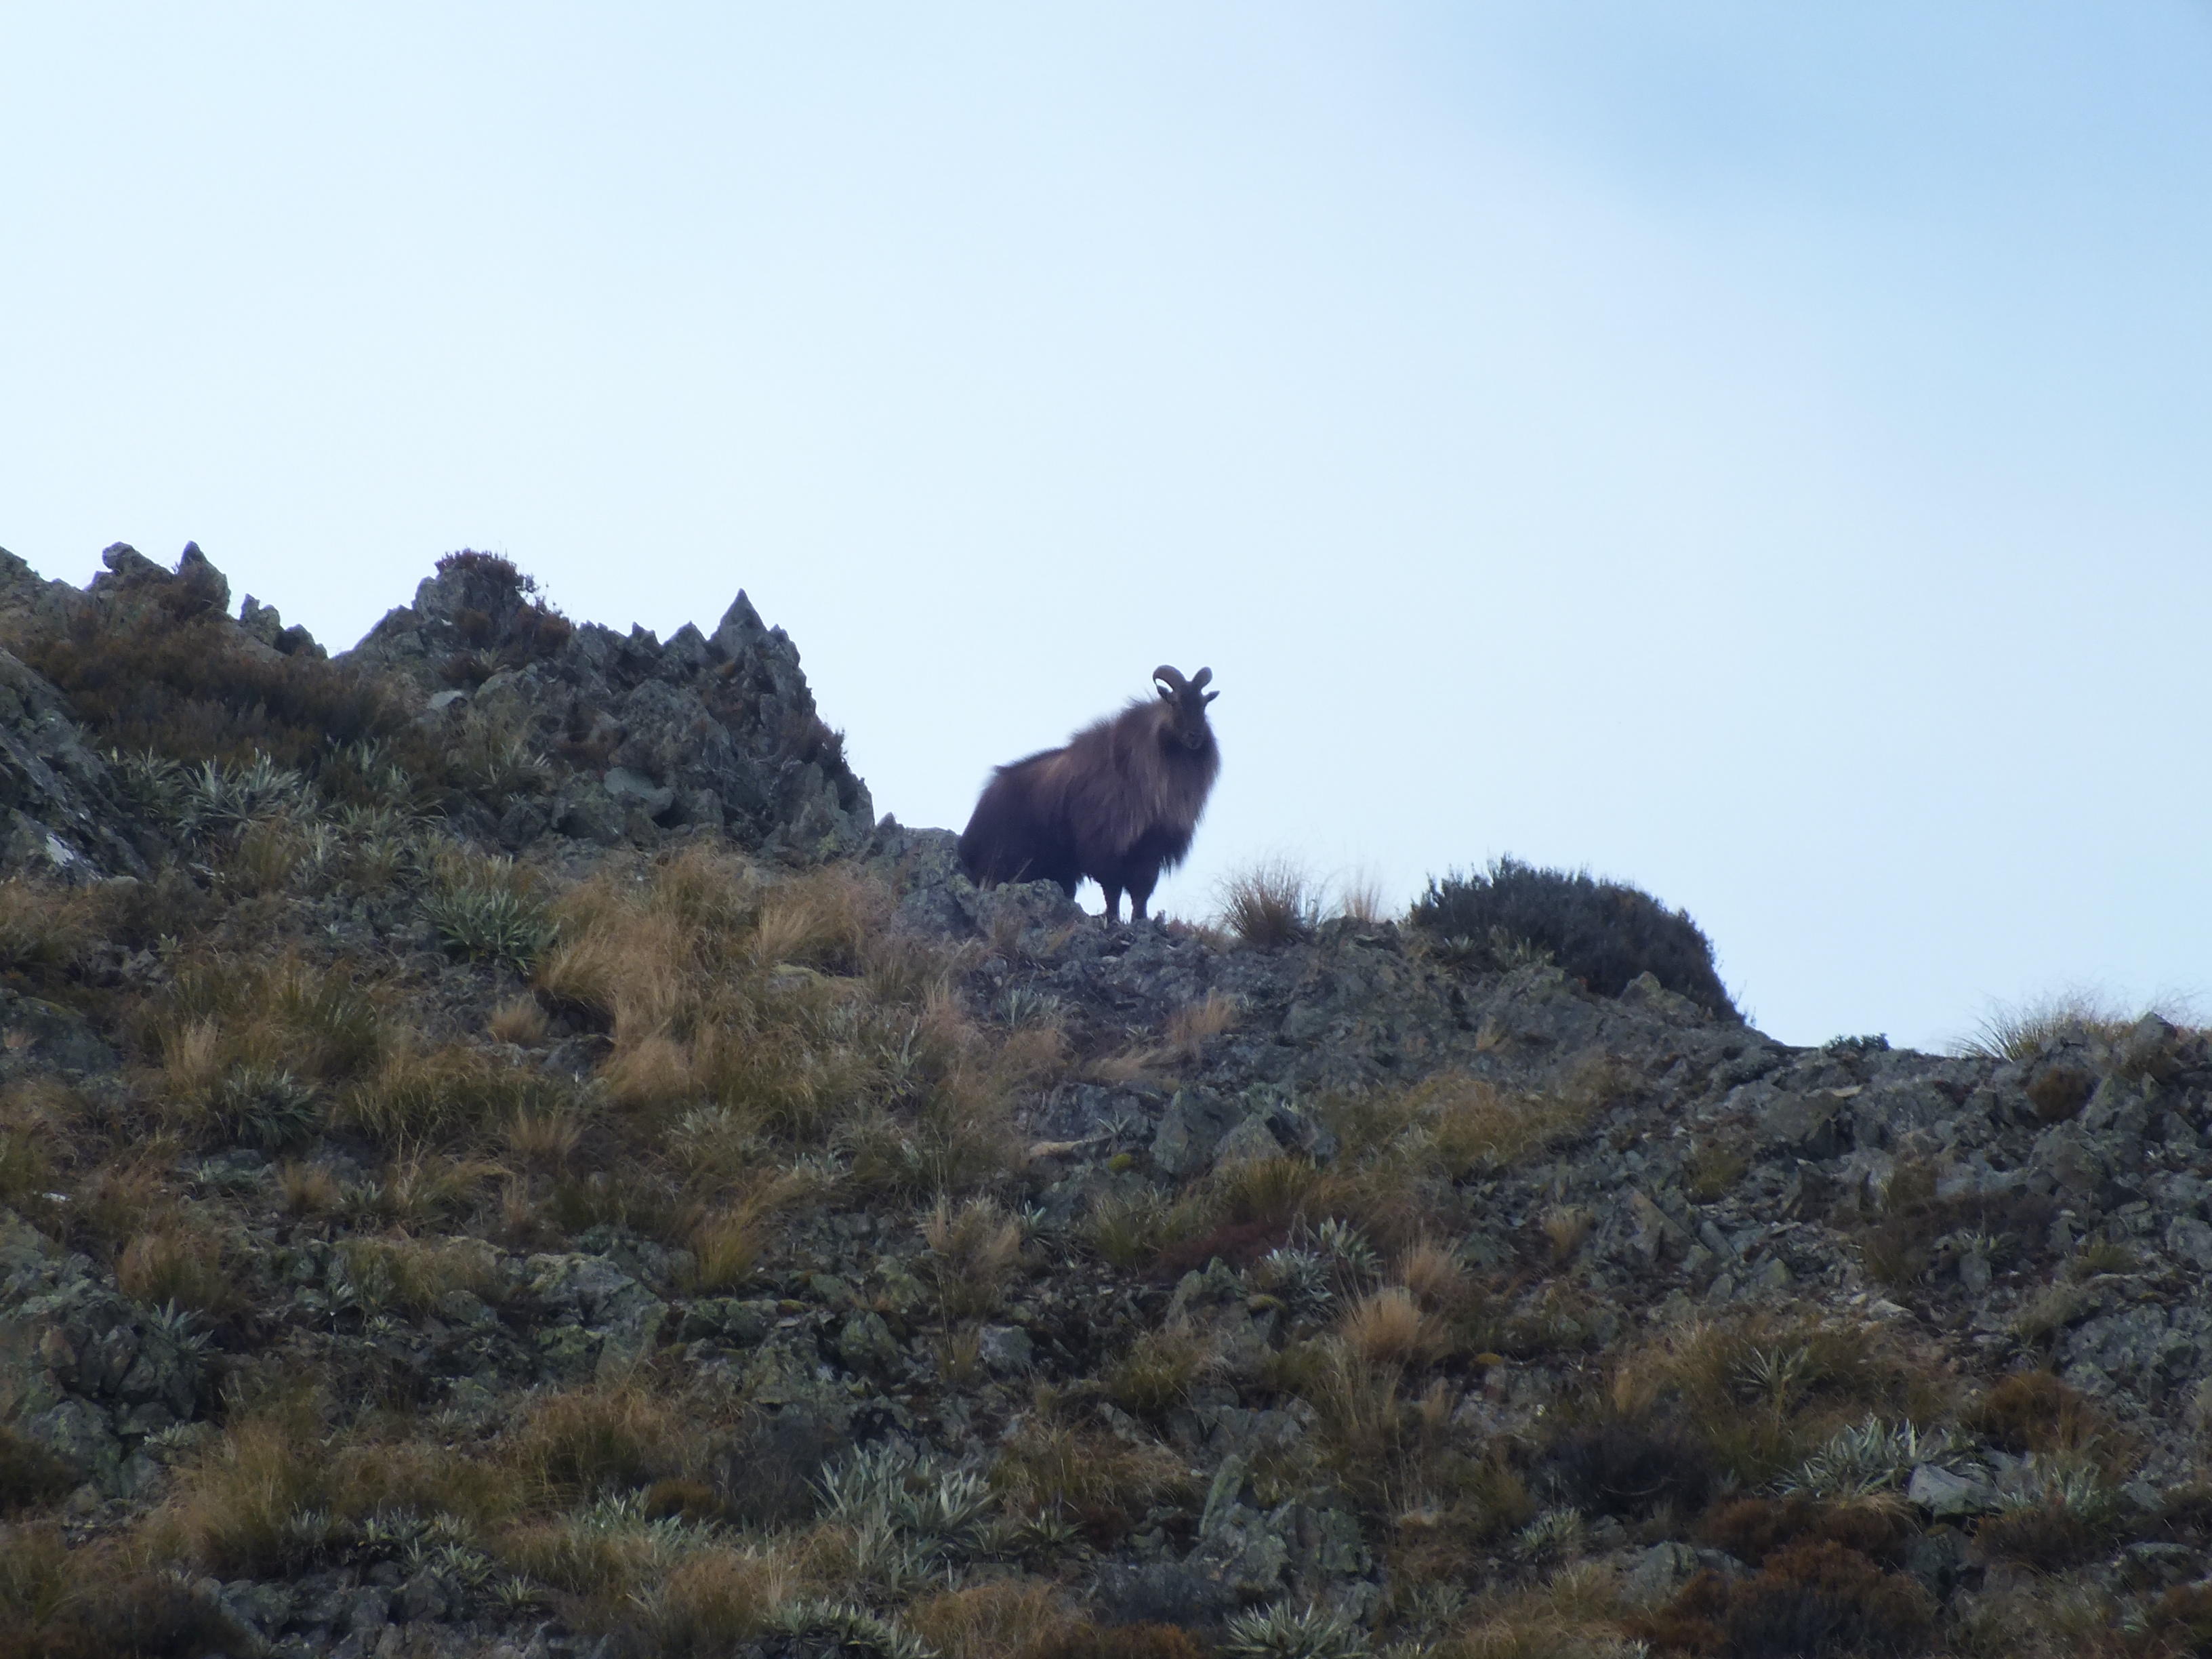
1758	451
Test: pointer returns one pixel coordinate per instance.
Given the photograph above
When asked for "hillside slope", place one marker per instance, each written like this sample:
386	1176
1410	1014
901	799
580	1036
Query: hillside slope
501	1155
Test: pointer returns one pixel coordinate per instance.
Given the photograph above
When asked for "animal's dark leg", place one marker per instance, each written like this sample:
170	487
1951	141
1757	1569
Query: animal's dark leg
1113	891
1140	892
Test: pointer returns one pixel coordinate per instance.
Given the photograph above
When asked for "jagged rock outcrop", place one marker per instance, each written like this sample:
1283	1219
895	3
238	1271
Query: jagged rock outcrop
61	812
718	730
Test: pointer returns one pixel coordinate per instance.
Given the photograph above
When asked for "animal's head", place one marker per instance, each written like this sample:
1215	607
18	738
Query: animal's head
1186	699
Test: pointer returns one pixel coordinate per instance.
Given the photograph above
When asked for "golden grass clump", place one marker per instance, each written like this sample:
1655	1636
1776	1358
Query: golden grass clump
418	1274
712	1602
419	1094
1270	905
1190	1025
1008	1619
1760	1393
972	1251
2037	1412
1436	1277
1160	1368
1575	1613
1127	1229
308	1189
652	1074
286	1015
2018	1032
728	1240
582	1442
1386	1327
183	1260
520	1020
1567	1227
237	1505
544	1137
46	930
1103	1483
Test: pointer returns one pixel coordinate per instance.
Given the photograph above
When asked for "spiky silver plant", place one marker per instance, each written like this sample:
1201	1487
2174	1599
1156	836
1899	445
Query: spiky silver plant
1281	1633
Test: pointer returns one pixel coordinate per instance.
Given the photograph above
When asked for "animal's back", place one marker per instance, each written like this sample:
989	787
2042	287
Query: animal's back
1008	837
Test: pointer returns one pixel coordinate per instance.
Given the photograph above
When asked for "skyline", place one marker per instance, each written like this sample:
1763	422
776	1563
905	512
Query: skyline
1754	458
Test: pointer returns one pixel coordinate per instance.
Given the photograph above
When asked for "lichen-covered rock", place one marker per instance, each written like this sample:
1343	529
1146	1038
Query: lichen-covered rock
59	814
717	730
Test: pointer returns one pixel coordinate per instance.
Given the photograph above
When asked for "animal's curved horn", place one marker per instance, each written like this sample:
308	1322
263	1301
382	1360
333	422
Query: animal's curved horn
1198	680
1170	675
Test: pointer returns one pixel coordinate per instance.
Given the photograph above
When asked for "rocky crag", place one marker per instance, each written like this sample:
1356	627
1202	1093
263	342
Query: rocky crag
530	1168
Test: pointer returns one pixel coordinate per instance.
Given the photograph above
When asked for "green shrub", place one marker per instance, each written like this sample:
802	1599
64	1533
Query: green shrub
491	924
267	1107
1602	932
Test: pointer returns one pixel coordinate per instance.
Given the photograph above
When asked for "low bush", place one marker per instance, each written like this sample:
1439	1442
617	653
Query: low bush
64	1600
1602	932
2037	1412
1810	1600
30	1477
1898	1248
1753	1528
1627	1469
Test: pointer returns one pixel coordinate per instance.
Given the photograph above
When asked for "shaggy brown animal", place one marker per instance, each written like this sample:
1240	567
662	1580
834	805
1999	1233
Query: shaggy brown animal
1118	804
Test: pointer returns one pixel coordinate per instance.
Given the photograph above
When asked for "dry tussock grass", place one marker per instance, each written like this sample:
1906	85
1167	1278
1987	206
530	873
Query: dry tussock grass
728	1240
1190	1025
233	1030
1576	1613
579	1442
1567	1228
232	1507
1103	1483
1160	1368
1388	1328
1436	1277
1404	1149
2018	1032
716	1599
518	1020
185	1261
1270	905
1010	1619
972	1250
418	1274
417	1095
1760	1392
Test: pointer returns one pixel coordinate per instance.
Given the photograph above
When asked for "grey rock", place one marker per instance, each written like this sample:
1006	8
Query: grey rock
718	729
1947	1494
2190	1240
1659	1571
867	1345
59	812
636	789
1190	1130
1169	1592
1250	1142
1806	1124
1005	1349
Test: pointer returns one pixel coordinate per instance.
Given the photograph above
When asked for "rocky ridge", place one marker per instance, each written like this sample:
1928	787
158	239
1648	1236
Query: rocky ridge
1212	1189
